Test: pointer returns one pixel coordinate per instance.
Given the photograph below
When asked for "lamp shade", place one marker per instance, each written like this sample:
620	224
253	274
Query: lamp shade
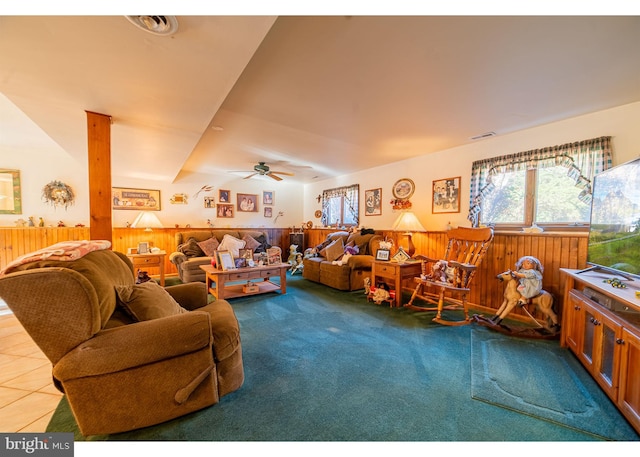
148	220
408	222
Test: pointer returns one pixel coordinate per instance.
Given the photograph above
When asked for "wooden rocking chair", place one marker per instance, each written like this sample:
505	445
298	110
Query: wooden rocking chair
452	274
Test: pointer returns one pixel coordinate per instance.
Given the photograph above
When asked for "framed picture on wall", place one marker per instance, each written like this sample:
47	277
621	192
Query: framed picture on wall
224	210
136	199
224	196
446	195
267	197
373	202
268	211
247	203
209	202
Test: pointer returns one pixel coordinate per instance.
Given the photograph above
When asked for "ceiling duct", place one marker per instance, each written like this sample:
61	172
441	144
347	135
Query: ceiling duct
158	25
482	136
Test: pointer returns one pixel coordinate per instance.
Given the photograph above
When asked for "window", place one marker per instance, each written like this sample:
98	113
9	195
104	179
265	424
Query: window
550	186
340	206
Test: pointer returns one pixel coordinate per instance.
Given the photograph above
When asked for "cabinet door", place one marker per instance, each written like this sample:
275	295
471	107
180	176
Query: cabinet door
607	354
573	322
629	391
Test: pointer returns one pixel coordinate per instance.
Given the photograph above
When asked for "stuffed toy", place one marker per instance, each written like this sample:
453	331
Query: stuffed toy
381	294
367	285
293	253
439	271
348	252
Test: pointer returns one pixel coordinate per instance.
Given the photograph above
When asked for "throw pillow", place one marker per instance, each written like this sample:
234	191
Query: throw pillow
147	301
335	250
231	244
190	248
250	242
262	239
209	246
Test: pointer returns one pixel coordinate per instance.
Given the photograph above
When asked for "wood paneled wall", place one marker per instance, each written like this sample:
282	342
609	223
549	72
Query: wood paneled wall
15	242
554	250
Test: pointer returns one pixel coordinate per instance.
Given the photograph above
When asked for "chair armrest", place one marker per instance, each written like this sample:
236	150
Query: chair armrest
177	258
133	345
360	262
192	295
465	266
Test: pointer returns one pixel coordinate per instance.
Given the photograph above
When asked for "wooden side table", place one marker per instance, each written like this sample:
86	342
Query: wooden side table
154	260
397	273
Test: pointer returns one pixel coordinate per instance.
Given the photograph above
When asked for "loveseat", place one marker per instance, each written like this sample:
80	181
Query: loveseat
125	355
328	265
196	247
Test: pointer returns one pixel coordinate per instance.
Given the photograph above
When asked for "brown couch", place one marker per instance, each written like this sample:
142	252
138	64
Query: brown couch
348	276
125	355
187	258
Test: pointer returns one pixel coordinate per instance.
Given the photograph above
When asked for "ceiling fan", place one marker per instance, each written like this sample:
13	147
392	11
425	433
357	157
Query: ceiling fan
263	169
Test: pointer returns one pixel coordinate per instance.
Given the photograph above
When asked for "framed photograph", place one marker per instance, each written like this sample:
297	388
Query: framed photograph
224	210
273	256
136	199
446	195
143	248
179	199
383	254
373	202
404	188
268	211
267	197
209	202
224	196
247	203
246	254
240	262
225	260
401	256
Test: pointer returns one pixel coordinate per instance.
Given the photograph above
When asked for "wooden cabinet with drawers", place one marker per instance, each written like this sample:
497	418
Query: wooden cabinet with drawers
601	326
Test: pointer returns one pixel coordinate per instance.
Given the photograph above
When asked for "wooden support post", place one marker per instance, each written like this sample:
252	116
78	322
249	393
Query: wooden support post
99	144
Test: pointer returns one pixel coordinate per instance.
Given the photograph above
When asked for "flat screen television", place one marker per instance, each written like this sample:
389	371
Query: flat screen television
614	234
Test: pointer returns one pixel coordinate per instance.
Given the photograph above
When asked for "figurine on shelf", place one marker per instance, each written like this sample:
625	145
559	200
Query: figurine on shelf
61	224
529	274
41	222
31	222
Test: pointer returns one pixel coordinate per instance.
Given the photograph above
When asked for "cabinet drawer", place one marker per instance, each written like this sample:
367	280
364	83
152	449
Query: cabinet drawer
146	261
270	272
238	276
386	270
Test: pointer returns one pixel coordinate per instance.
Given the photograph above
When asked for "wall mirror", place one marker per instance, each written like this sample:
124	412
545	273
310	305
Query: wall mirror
10	197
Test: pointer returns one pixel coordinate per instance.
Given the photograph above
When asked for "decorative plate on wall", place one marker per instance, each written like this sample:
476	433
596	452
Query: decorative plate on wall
404	188
318	213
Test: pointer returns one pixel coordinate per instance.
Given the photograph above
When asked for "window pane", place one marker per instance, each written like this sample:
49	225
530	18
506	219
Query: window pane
557	198
506	203
333	210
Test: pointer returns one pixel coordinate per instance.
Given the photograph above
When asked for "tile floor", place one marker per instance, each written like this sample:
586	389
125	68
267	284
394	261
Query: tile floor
27	396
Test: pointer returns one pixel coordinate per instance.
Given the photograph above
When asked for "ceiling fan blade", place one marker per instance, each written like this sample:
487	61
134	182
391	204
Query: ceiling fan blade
251	175
272	176
286	173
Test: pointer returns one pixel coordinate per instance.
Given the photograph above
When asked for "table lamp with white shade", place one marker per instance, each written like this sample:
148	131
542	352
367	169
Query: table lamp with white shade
148	220
408	223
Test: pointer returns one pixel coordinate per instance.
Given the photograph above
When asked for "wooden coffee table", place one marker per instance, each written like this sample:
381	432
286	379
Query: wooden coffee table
224	284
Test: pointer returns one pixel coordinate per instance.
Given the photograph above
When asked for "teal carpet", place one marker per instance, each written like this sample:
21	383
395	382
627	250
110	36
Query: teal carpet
542	380
325	365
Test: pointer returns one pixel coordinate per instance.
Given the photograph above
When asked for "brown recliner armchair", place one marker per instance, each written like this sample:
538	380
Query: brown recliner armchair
125	355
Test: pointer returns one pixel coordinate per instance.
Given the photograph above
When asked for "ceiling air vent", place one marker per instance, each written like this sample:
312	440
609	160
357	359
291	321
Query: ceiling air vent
484	135
158	25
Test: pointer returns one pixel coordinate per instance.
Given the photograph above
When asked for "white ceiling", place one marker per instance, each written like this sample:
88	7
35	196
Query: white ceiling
318	96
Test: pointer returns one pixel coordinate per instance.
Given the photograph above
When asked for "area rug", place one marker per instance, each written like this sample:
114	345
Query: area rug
542	380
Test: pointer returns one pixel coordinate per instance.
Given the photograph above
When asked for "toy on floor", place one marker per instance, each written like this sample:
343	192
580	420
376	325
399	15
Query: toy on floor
381	293
512	298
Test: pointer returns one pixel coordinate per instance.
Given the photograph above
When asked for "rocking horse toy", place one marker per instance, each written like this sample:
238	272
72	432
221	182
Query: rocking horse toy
519	292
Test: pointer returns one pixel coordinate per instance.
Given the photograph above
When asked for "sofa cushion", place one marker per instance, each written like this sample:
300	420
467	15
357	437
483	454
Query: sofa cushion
334	251
190	248
251	243
264	244
361	241
209	246
231	244
147	301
